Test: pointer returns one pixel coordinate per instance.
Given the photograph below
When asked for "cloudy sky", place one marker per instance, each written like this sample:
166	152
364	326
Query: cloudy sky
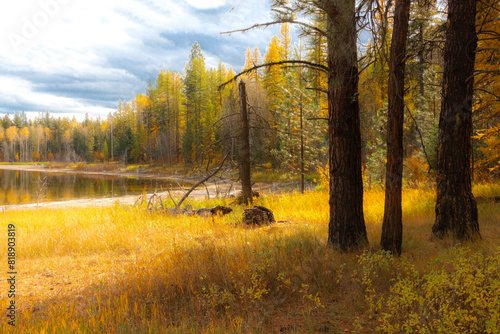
81	56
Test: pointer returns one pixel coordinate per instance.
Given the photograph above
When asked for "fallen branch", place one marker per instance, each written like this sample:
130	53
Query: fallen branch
202	181
151	201
169	194
139	199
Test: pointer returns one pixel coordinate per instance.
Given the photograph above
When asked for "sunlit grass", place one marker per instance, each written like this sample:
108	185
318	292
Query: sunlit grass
127	270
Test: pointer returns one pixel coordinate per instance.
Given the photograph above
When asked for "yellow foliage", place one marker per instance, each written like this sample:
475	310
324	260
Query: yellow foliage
12	133
273	77
418	168
461	295
133	270
285	41
25	132
143	102
324	176
490	160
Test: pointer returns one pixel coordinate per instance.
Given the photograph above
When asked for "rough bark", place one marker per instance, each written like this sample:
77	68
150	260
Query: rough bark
246	185
392	226
456	208
347	229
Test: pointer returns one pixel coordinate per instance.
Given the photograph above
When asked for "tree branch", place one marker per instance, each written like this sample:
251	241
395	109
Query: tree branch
317	119
318	89
421	138
265	25
488	92
318	67
202	181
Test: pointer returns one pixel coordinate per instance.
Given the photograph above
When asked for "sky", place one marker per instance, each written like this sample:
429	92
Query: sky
73	57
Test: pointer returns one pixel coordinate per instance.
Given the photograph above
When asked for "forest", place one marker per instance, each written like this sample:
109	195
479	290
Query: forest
401	130
188	118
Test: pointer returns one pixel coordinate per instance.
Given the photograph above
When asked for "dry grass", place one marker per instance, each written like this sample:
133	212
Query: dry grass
125	270
109	167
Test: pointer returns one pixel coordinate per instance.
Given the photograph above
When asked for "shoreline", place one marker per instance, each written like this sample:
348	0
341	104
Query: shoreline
200	193
225	188
39	168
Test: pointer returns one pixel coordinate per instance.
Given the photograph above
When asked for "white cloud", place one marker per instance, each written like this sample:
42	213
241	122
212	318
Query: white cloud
206	4
21	91
93	52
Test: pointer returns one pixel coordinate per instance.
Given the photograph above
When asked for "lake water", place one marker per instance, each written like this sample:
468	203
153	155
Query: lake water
23	187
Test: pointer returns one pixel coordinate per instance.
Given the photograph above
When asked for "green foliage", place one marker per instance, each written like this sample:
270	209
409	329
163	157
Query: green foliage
186	118
296	127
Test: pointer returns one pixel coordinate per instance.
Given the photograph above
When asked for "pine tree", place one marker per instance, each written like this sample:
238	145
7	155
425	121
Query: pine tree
456	207
285	42
105	151
273	76
197	104
392	225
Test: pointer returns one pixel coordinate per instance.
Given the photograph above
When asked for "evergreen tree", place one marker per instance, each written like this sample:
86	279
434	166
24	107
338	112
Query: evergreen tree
198	106
456	207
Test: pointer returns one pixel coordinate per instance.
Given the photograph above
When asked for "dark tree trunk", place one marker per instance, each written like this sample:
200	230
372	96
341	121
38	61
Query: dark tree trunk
392	226
421	58
246	185
347	229
456	208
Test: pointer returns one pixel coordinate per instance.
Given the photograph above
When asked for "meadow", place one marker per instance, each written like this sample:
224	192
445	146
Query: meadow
124	269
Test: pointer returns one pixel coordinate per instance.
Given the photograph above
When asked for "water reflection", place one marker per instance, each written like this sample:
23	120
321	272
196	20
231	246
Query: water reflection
22	187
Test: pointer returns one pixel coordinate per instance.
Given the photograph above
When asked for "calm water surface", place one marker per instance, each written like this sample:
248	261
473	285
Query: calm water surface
21	187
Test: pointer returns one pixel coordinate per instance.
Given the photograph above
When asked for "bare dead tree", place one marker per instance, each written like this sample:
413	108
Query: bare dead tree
41	187
245	168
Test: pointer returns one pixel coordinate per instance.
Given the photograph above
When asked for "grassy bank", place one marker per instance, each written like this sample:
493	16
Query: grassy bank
125	270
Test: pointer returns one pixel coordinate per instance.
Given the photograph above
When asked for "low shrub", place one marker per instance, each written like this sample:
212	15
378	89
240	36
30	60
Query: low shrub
461	294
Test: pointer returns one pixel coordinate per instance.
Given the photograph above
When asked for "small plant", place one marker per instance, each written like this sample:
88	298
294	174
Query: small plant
41	187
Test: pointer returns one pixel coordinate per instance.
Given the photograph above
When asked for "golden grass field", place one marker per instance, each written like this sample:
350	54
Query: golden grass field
123	269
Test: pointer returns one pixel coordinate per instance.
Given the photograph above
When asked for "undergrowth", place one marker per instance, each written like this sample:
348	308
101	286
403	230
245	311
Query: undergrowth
124	269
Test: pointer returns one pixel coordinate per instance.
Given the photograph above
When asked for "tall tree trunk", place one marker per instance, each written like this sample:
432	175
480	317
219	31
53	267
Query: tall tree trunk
421	58
302	167
347	229
392	226
456	208
301	116
111	139
246	185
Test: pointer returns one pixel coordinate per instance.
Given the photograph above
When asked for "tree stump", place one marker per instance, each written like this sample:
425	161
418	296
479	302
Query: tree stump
258	215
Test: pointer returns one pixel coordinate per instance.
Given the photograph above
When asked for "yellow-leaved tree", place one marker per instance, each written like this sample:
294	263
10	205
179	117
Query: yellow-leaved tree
486	114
